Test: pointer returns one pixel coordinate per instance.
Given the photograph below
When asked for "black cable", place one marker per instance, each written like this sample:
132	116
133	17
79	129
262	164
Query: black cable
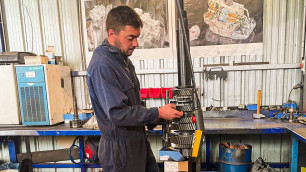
297	86
290	94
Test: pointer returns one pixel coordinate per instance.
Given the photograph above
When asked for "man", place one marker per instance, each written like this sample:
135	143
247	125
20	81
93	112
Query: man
114	91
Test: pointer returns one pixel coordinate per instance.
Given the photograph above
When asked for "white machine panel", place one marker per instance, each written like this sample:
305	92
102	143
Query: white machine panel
9	101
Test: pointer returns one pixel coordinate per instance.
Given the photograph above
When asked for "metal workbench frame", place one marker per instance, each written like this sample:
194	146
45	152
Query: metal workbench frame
212	127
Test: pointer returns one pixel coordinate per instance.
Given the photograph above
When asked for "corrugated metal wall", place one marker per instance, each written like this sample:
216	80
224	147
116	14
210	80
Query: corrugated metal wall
282	47
32	25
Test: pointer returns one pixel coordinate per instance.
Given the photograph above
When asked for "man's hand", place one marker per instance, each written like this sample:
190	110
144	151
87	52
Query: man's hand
168	112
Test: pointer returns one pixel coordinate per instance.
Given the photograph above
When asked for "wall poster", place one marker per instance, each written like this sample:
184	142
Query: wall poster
216	27
219	22
154	14
225	22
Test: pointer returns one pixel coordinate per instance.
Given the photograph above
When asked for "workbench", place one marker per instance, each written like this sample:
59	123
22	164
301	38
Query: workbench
212	126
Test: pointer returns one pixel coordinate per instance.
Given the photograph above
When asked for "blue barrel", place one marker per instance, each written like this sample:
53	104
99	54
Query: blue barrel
235	160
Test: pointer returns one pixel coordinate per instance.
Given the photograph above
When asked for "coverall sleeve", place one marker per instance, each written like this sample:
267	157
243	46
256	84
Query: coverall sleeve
111	97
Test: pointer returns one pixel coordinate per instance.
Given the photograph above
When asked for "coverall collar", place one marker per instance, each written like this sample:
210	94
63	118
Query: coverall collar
114	50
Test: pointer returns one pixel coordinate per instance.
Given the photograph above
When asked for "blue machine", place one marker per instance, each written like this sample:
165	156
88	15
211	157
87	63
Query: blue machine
32	95
44	92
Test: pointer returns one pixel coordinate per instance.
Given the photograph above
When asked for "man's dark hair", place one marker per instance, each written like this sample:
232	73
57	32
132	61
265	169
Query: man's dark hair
122	16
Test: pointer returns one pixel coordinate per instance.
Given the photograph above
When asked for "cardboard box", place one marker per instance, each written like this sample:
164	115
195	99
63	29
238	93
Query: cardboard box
180	166
51	49
36	60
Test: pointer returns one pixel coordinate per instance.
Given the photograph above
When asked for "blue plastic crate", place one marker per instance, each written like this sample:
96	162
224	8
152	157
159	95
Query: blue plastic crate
252	107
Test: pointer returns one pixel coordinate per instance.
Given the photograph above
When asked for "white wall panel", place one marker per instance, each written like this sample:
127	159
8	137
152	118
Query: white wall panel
70	32
71	47
13	22
50	23
32	27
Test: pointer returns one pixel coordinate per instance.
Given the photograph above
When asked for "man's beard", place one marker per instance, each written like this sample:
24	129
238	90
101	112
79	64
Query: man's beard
119	46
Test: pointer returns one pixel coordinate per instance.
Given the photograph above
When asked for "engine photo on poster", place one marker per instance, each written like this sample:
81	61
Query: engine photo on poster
219	22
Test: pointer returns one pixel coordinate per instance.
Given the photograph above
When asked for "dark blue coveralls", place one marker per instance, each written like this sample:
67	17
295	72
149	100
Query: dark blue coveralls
114	92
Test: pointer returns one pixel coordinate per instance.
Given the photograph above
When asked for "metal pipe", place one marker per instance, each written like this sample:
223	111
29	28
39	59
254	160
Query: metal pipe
167	97
199	117
183	48
76	122
291	113
180	56
180	50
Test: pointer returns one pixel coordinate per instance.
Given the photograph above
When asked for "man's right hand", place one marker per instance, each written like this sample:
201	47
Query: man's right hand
168	112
